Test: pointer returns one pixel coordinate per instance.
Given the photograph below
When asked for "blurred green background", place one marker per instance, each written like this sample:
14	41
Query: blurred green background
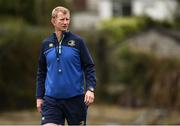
137	60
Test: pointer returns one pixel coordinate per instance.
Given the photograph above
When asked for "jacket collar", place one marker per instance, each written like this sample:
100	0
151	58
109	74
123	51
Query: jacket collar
65	33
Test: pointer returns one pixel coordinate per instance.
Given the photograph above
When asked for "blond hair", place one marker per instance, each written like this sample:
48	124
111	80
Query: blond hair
58	9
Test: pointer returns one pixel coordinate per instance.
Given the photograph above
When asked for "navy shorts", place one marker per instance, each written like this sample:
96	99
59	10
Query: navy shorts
56	111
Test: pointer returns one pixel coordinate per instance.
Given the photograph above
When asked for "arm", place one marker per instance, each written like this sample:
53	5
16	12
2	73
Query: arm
40	82
89	71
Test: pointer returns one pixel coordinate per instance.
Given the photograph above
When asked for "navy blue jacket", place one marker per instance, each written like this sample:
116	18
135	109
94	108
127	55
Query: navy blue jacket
64	67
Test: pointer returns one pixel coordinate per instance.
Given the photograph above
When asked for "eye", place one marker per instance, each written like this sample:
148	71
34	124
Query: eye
61	19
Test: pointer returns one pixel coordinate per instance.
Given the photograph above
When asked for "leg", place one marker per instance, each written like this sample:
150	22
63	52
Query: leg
50	124
52	115
75	110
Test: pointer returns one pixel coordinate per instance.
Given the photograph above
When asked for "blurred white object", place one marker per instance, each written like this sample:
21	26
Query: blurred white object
155	9
97	10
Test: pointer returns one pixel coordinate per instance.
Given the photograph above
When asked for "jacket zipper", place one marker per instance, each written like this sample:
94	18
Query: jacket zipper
60	47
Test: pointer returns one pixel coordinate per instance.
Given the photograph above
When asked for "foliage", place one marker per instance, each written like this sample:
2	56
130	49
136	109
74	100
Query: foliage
33	11
19	47
116	29
152	80
145	78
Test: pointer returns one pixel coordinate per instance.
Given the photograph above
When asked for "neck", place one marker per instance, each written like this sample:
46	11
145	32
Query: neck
58	35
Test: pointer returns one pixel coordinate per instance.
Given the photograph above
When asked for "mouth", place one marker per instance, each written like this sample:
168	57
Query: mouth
65	27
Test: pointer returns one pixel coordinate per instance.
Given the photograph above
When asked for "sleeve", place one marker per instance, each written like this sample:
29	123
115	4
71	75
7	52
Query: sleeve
88	66
41	75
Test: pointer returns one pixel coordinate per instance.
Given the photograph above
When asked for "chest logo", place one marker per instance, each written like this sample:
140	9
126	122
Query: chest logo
51	45
71	43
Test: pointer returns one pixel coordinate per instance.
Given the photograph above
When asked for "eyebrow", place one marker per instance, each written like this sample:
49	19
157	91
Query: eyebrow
64	18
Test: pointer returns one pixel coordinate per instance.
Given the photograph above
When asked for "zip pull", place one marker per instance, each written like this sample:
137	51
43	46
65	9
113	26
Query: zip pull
60	47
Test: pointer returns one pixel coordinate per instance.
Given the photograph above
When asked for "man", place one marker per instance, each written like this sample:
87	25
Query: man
64	64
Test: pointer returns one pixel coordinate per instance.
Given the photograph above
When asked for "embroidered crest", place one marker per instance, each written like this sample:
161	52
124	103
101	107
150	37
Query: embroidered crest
71	43
51	45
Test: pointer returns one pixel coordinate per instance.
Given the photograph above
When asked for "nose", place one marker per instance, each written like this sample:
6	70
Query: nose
65	21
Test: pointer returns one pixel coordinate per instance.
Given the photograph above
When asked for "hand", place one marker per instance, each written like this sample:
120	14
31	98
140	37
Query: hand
89	97
39	103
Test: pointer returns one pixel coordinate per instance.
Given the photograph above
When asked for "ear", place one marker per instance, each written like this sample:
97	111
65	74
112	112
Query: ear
53	21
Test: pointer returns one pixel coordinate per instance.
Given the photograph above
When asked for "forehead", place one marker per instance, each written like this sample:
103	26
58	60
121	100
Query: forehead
62	15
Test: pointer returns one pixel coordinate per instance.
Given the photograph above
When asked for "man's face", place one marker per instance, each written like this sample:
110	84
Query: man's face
61	23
